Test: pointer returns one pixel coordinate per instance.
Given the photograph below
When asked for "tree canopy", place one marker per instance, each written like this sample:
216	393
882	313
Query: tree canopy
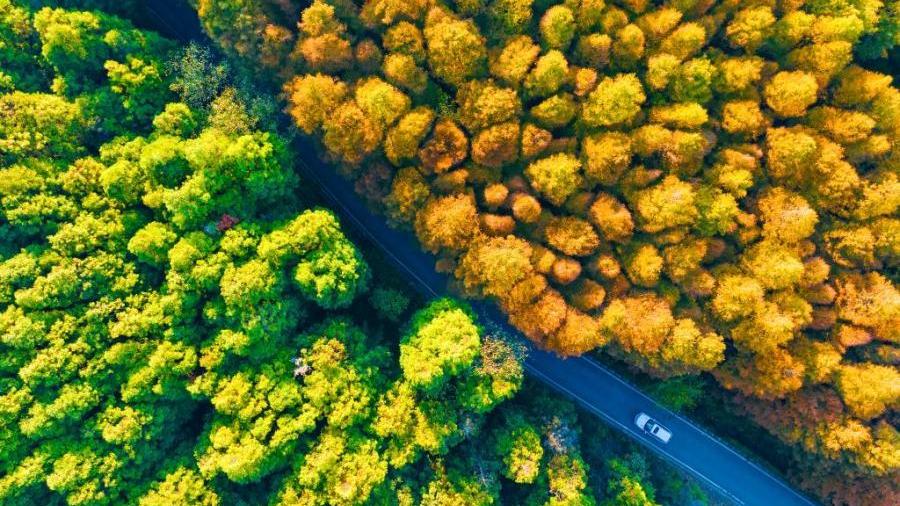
725	172
179	327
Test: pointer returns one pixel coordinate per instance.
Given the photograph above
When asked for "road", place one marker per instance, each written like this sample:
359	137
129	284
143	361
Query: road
594	387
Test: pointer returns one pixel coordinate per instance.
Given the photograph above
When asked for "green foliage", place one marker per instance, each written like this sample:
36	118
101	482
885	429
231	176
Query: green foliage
615	101
19	61
139	278
198	79
440	343
327	267
181	487
679	394
41	125
389	303
91	50
626	488
520	445
556	177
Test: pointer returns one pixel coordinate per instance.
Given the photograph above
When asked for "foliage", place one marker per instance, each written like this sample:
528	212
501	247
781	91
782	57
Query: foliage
177	328
724	173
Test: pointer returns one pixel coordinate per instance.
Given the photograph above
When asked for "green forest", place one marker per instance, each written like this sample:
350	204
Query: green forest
702	194
181	325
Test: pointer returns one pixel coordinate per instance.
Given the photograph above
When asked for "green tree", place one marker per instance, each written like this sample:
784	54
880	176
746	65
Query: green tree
441	342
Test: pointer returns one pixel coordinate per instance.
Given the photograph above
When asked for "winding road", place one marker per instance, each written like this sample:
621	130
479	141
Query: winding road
594	387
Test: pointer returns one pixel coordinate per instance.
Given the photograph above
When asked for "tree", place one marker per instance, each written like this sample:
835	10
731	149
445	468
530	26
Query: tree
688	116
606	157
21	64
447	147
441	342
870	301
77	46
566	476
645	334
447	223
626	486
350	134
615	101
455	488
401	69
644	265
549	73
660	70
737	76
516	57
535	310
845	127
381	101
557	27
63	126
520	445
692	81
768	376
181	487
628	46
495	265
750	28
496	146
612	218
333	275
671	203
857	86
736	297
555	112
338	468
688	349
743	117
789	94
456	50
312	98
245	29
786	216
577	334
152	243
556	177
868	391
775	266
571	236
593	49
409	192
323	45
390	303
403	140
685	40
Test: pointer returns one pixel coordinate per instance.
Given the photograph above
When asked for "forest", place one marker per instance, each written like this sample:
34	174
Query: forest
694	188
181	324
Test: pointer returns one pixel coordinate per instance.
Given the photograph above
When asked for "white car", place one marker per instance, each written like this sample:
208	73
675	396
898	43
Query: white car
652	427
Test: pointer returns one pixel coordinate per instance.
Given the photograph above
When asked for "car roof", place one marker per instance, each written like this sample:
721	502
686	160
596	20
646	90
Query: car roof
663	433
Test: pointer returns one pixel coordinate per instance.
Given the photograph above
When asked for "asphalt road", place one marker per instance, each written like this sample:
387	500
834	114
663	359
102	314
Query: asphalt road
587	382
